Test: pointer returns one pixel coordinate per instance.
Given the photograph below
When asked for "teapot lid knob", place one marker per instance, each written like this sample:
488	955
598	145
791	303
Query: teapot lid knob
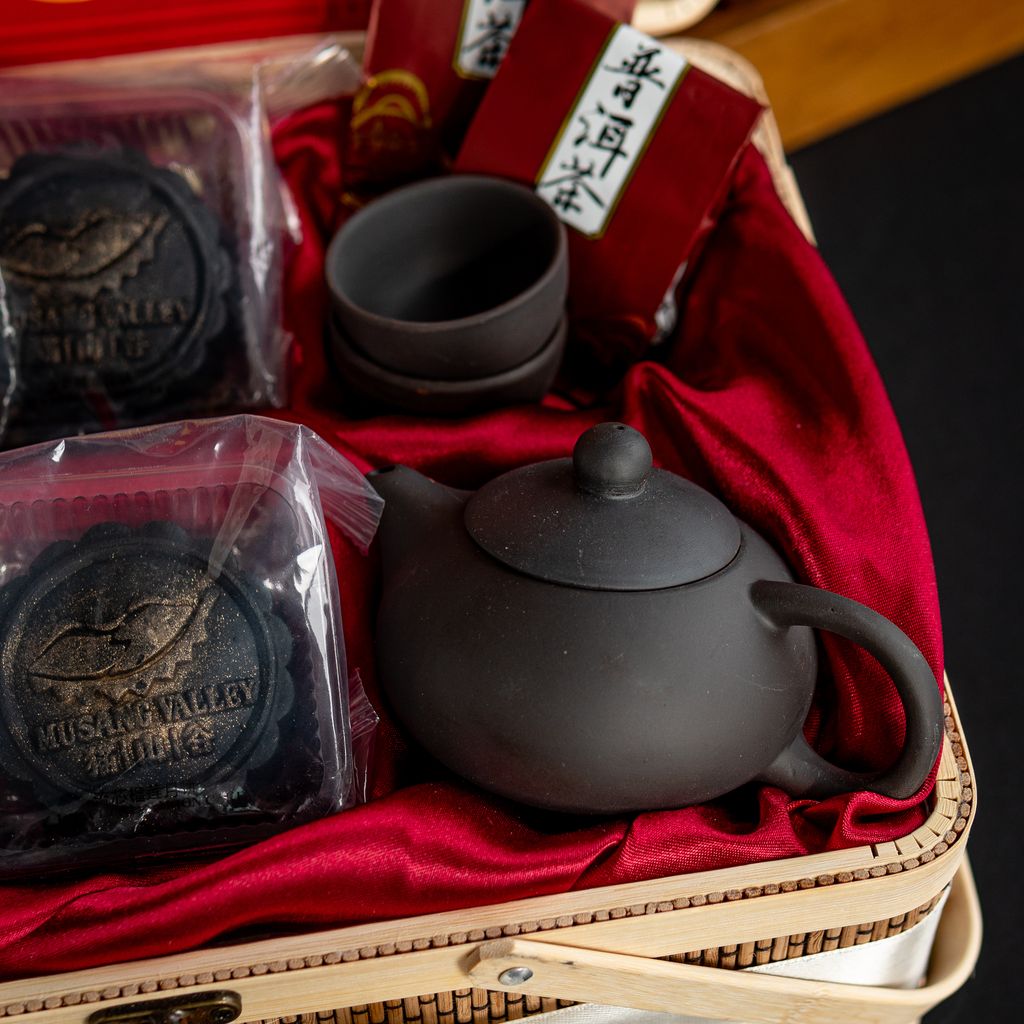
612	460
606	519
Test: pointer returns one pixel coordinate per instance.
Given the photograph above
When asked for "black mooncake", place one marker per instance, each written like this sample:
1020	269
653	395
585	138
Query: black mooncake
115	278
146	688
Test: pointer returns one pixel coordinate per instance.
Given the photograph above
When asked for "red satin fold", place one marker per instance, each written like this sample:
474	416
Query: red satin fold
770	398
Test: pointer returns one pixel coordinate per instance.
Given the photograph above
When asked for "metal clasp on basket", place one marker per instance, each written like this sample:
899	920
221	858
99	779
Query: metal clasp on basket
220	1007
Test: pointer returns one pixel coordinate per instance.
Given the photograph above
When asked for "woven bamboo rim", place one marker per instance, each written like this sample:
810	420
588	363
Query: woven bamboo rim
482	1006
940	839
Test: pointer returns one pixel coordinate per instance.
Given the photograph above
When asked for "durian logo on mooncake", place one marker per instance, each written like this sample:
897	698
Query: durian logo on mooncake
126	668
146	643
99	251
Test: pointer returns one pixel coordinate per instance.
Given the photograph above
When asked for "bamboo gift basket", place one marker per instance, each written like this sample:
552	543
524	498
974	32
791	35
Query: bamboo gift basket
672	944
676	945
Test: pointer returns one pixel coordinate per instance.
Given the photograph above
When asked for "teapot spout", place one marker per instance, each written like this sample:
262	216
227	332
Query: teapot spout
414	507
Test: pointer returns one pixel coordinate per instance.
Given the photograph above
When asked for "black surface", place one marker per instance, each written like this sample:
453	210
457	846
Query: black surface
604	519
148	706
129	671
800	770
450	279
920	214
652	704
114	274
368	387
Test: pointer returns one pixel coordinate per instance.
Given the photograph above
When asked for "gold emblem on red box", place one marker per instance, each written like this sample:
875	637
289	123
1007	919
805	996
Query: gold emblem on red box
391	137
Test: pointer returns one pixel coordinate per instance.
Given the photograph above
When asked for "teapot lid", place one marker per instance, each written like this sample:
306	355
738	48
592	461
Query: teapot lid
604	519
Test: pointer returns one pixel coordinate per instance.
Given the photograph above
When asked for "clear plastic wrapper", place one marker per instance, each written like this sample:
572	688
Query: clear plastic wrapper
363	721
172	670
141	238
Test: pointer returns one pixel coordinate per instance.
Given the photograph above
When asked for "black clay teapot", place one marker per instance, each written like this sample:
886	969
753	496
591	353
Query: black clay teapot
594	635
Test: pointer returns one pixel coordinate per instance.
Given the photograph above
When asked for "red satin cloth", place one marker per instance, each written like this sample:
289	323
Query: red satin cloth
770	398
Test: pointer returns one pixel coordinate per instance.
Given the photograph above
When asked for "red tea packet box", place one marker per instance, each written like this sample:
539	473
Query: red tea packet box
427	66
631	145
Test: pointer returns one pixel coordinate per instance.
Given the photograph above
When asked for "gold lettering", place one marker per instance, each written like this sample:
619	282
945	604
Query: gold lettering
47	738
102	759
163	704
123	719
174	743
105	724
181	709
160	747
135	345
48	346
196	741
67	734
212	701
124	755
108	314
89	349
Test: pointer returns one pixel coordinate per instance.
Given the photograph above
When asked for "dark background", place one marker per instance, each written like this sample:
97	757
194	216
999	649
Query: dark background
920	215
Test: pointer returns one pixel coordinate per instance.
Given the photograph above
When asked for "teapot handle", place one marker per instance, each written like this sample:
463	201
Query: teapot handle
800	770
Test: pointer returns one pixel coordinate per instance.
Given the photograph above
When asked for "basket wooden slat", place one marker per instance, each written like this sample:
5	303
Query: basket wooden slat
415	956
480	1006
690	989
